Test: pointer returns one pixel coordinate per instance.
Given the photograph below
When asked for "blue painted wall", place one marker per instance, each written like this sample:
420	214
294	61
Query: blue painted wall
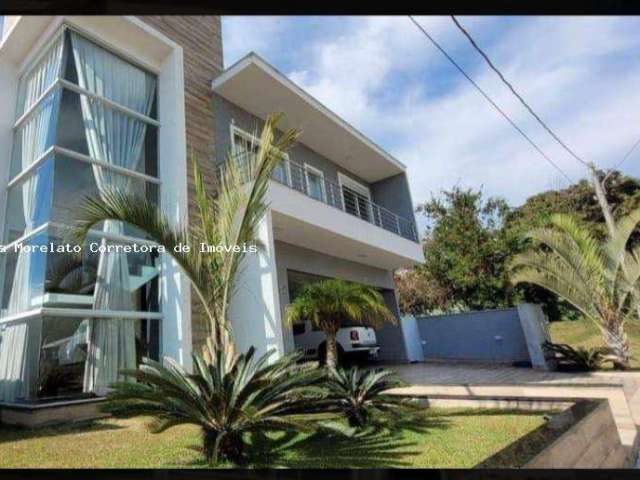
486	336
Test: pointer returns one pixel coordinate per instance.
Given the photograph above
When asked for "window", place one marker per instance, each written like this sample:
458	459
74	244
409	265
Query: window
76	353
356	198
85	124
315	182
244	148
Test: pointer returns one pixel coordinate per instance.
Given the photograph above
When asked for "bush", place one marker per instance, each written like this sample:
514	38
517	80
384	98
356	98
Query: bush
577	359
359	394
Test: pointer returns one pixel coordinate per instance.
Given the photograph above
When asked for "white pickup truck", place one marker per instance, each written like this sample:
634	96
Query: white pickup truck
352	340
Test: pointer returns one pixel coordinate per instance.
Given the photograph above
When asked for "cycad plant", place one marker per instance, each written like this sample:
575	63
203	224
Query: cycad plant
228	397
327	303
227	217
361	394
600	279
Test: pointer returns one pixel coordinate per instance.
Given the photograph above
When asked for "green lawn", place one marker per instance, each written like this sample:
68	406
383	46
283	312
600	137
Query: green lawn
583	333
438	438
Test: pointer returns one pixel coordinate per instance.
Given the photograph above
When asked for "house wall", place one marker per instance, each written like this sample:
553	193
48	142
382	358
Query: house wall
291	257
485	336
201	40
391	193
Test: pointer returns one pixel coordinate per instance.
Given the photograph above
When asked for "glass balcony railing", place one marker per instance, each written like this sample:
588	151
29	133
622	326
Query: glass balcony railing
313	184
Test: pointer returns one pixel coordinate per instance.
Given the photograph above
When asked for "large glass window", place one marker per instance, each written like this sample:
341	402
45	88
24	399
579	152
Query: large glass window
80	355
85	124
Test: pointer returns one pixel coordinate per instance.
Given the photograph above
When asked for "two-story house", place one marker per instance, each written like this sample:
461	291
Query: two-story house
90	103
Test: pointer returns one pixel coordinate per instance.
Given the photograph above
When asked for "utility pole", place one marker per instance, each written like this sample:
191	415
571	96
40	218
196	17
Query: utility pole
602	200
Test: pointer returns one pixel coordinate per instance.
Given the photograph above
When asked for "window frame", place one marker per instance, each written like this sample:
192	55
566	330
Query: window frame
315	171
61	83
350	183
235	130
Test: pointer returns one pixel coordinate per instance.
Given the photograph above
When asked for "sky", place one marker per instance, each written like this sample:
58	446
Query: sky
580	74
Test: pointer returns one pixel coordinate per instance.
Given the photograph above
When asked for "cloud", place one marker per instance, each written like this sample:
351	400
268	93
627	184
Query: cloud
384	77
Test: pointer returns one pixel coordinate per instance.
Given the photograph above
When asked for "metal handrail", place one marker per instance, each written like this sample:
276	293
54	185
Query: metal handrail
295	176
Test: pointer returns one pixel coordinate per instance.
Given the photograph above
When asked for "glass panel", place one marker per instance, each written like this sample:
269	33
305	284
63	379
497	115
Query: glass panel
245	151
314	185
24	272
75	181
109	76
36	134
19	347
280	173
72	349
29	202
71	277
114	137
40	77
63	355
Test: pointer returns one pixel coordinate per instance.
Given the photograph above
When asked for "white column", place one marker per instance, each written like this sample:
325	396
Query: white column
255	307
172	161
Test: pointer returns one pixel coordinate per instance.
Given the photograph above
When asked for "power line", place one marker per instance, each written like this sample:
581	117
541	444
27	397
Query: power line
518	96
488	98
624	159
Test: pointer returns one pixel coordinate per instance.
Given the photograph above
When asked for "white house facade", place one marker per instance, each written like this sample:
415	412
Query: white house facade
91	104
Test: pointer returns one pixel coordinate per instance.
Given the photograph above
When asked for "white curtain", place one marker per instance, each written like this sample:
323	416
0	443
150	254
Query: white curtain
13	353
46	71
115	138
31	140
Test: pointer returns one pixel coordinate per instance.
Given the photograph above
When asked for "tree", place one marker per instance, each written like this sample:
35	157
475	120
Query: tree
327	303
599	278
622	193
228	217
466	250
419	292
228	397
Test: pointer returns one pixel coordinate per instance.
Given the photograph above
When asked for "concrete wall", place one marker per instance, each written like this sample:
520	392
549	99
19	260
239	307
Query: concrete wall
485	336
291	257
393	194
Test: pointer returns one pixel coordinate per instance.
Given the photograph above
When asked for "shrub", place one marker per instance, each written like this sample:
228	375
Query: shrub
360	394
577	359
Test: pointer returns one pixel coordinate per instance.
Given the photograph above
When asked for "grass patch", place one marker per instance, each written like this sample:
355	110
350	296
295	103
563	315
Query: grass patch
435	438
583	333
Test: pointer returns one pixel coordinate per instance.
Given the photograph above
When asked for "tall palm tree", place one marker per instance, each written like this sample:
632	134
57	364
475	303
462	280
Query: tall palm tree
328	303
600	279
229	217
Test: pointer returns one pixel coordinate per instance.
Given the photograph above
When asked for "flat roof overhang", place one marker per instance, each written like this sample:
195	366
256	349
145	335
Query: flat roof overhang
128	36
257	87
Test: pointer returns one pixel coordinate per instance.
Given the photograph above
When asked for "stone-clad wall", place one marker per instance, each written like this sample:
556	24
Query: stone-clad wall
201	41
593	442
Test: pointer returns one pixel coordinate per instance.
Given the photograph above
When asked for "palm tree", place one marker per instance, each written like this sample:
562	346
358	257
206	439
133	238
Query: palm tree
228	397
600	279
229	217
328	302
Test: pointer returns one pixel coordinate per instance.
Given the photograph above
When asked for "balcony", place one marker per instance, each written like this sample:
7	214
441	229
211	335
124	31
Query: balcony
313	184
